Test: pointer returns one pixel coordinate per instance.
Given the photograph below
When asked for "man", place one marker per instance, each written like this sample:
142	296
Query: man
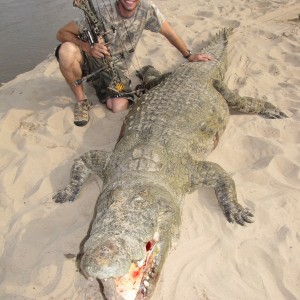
124	20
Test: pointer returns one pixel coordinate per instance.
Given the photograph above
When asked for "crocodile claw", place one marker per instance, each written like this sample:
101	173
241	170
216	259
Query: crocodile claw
68	194
272	112
236	213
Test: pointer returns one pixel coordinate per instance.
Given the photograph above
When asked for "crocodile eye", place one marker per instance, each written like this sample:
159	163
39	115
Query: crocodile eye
138	201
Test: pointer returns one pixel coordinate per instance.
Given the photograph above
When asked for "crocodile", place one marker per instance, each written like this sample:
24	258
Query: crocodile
158	159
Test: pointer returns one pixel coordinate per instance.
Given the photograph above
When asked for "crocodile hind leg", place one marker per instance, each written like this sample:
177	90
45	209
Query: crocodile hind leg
248	105
92	162
212	175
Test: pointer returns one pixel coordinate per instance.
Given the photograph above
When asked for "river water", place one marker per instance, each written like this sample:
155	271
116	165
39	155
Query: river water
28	29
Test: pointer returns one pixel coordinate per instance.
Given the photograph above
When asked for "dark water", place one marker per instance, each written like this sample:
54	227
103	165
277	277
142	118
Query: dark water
28	29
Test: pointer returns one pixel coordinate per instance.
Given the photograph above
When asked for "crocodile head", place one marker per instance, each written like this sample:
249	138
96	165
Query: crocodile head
129	242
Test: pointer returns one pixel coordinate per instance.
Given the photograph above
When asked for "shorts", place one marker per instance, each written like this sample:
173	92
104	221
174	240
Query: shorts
103	79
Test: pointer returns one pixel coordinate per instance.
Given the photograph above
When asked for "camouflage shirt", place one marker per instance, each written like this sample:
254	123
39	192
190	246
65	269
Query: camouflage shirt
127	30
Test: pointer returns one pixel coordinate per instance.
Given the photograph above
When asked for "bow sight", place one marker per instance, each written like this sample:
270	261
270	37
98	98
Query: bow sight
88	36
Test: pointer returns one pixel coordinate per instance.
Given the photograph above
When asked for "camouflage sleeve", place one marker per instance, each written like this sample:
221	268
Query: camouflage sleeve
81	22
155	18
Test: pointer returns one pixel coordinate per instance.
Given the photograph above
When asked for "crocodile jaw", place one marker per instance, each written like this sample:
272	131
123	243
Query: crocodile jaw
136	282
139	282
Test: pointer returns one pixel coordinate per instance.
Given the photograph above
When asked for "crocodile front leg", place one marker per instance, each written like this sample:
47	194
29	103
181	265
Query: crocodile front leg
92	162
212	175
248	105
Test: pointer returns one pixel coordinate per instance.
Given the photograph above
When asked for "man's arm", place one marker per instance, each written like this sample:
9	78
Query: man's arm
167	31
69	33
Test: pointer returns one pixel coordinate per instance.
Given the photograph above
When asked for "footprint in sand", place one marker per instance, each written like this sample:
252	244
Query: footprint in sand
205	14
230	23
292	59
27	128
273	70
285	171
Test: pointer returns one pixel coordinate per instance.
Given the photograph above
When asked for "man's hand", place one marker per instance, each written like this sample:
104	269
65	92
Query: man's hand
200	57
70	32
99	50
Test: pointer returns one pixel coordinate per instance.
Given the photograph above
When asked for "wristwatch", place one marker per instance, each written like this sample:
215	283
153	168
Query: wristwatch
188	55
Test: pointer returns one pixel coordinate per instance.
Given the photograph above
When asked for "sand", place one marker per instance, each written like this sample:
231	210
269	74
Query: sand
213	259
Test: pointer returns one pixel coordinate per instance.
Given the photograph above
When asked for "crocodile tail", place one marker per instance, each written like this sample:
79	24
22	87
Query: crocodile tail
219	39
217	47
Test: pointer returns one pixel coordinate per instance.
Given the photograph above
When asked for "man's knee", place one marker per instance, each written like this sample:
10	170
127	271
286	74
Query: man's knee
68	51
117	104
